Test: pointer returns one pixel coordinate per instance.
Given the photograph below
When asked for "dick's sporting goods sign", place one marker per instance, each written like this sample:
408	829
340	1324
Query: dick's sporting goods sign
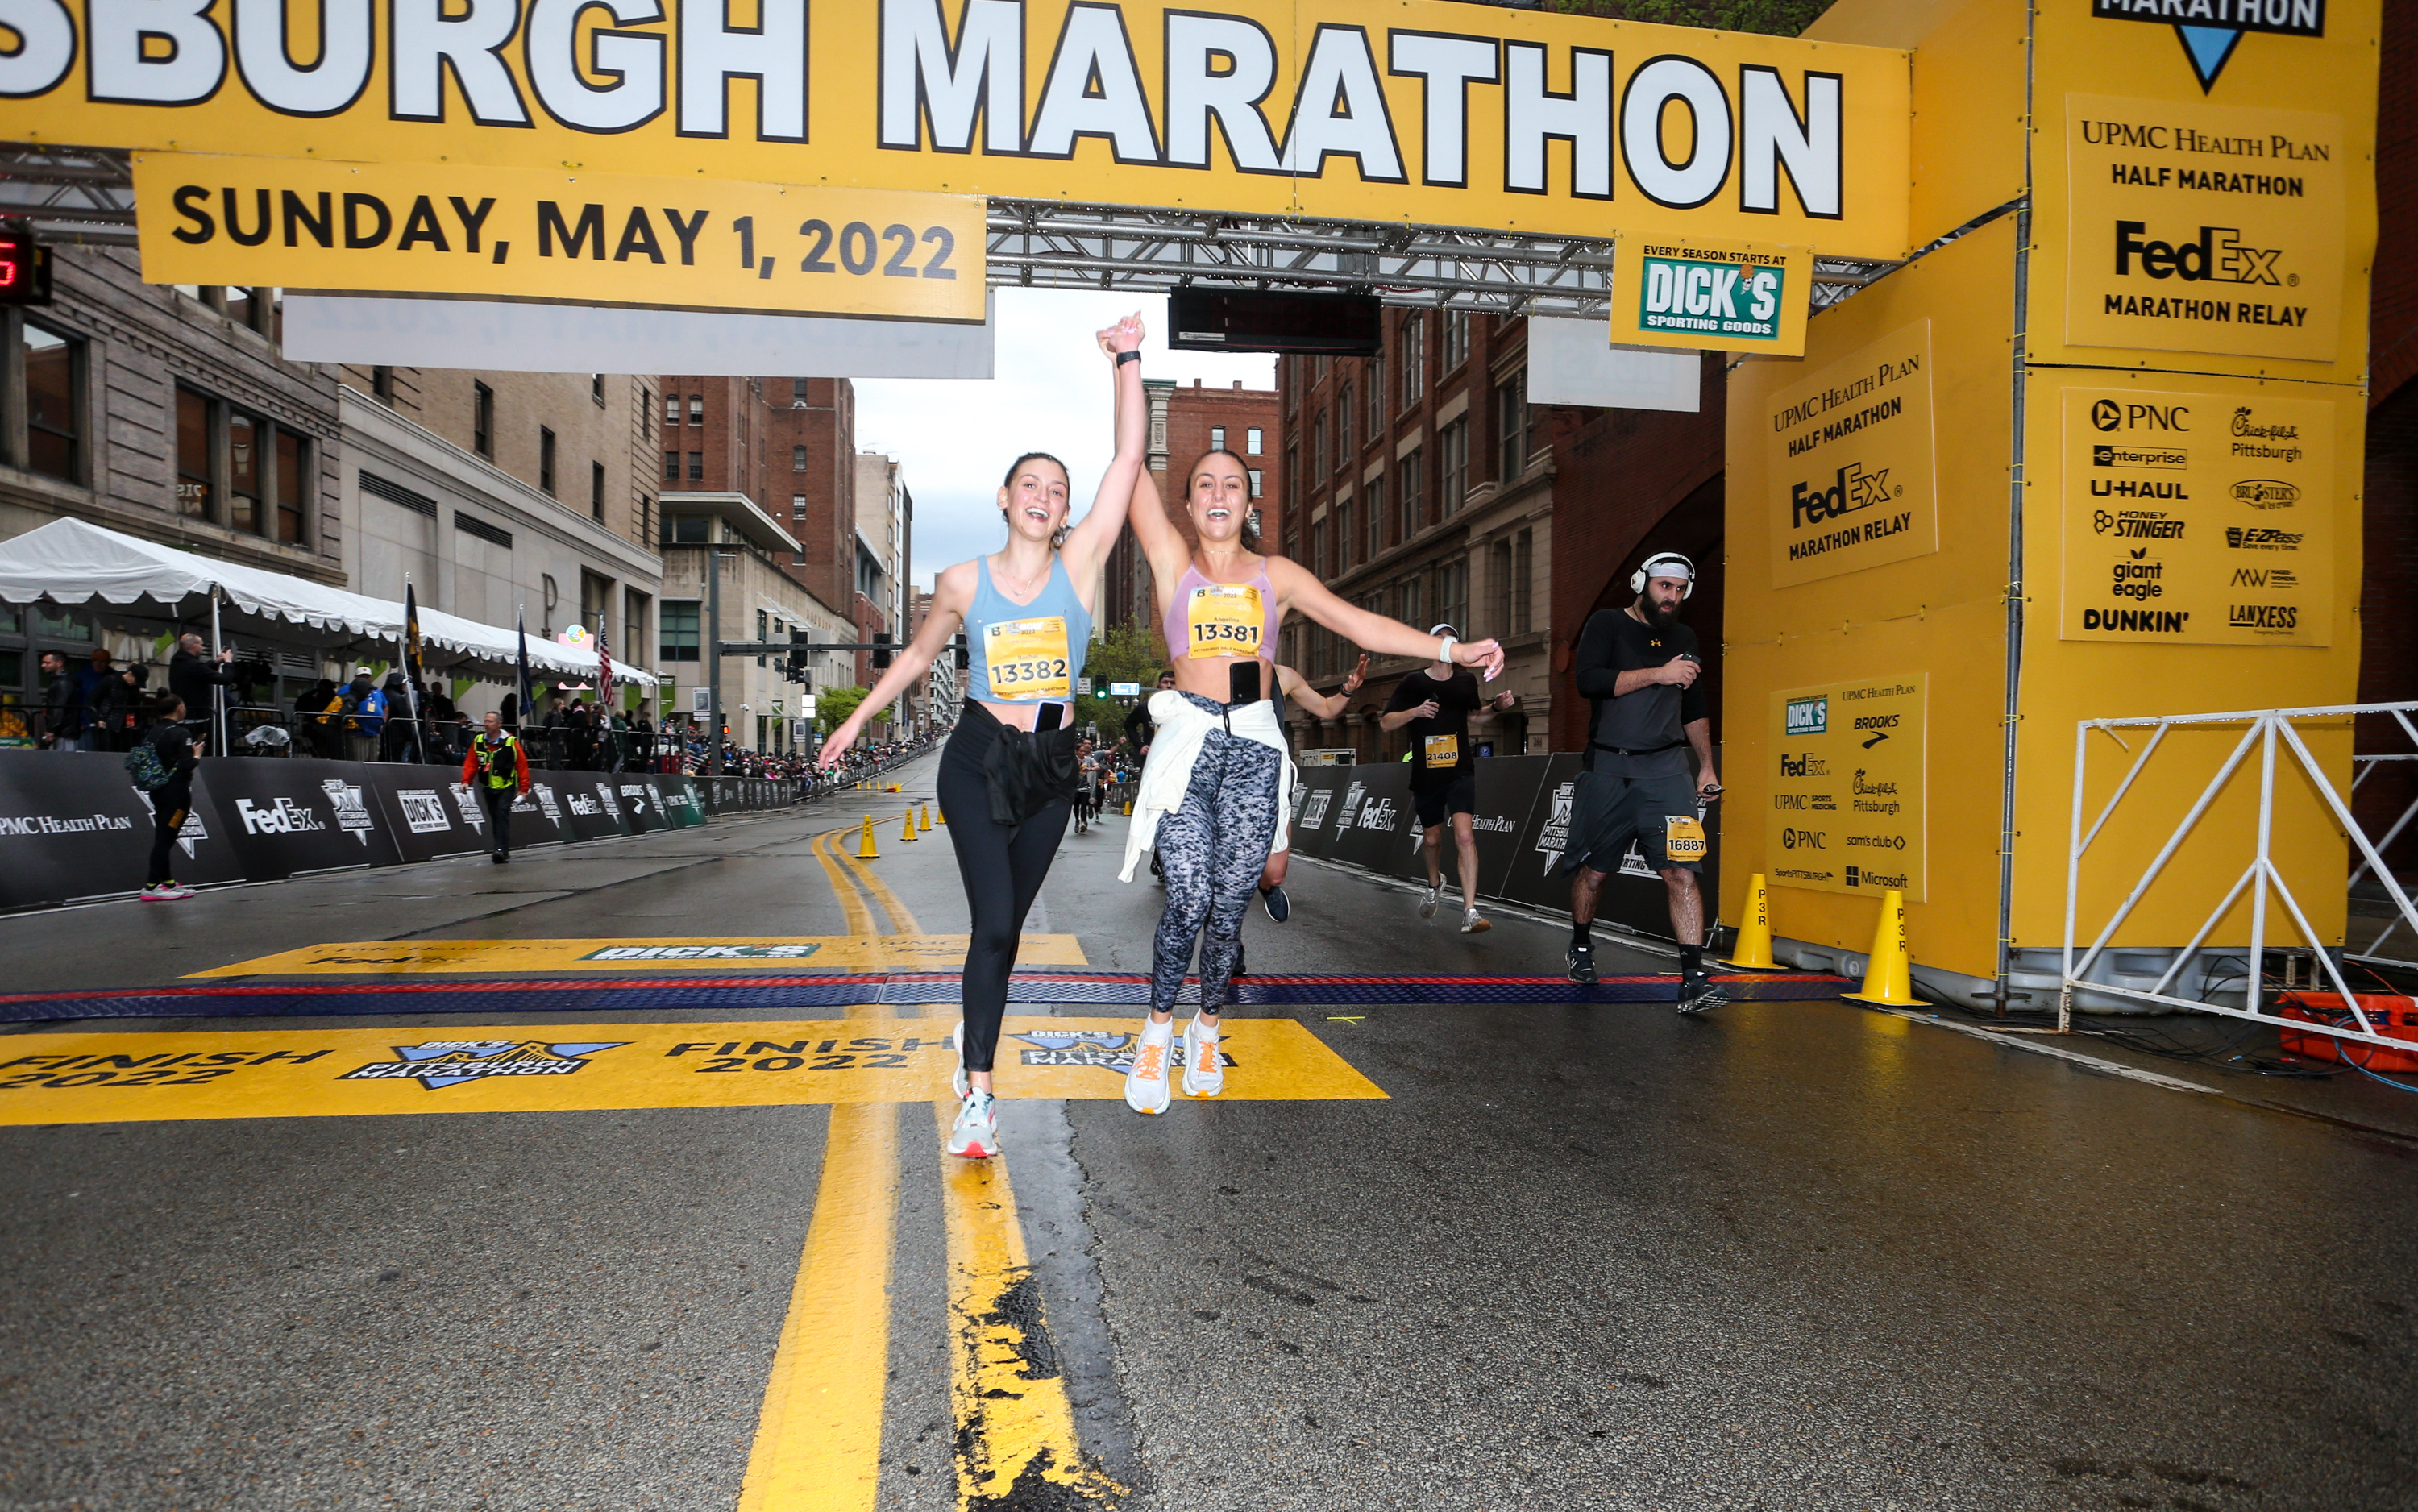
1731	296
1415	111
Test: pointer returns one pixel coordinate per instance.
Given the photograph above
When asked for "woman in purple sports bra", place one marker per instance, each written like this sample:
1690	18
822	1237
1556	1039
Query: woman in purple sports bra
1213	790
1008	775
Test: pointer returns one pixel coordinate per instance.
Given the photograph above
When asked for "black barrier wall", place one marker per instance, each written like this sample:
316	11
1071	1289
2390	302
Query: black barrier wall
1363	816
72	827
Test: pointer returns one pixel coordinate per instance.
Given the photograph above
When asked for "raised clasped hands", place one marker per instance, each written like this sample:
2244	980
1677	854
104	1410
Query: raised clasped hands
1124	336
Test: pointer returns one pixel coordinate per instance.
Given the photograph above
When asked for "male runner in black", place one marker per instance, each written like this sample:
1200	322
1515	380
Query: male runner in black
1434	706
1637	666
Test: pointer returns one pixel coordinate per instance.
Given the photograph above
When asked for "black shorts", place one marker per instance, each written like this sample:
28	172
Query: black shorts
1459	796
1630	798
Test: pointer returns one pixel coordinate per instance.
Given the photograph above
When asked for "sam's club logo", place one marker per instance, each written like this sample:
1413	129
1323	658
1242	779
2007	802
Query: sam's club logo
2210	30
1807	716
1696	294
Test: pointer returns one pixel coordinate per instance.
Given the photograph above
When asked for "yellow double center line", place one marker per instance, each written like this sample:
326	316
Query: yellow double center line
819	1441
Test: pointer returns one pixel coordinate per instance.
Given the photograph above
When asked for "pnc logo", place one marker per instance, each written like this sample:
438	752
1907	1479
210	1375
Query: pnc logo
2107	414
1793	838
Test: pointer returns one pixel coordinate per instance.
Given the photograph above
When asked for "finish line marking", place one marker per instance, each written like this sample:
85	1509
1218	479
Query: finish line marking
735	954
109	1078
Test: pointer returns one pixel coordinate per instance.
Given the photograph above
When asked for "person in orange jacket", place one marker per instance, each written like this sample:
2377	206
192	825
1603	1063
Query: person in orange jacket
497	770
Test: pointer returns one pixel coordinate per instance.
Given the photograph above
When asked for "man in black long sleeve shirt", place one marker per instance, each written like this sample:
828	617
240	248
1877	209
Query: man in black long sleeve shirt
1638	666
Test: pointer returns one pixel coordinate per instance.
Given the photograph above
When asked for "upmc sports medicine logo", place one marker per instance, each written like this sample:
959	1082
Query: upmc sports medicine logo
2210	30
436	1063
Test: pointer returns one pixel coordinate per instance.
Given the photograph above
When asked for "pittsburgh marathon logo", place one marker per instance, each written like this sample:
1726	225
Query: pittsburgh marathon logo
436	1063
2210	30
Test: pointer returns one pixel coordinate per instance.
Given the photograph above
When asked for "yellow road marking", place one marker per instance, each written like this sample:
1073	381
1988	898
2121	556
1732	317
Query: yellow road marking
901	921
860	920
685	955
819	1440
1016	1428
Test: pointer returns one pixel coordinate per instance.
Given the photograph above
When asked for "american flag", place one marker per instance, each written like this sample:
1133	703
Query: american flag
603	677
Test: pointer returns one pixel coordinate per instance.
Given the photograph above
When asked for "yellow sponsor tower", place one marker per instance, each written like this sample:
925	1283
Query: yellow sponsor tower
2094	451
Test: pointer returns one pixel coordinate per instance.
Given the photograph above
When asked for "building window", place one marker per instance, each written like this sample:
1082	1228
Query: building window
1252	438
797	506
646	522
482	419
1456	338
1415	356
1344	539
1498	588
1406	601
1373	509
1289	380
1410	476
763	630
1523	571
686	531
1452	449
245	465
697	466
645	417
696	409
596	389
1216	439
1452	595
672	466
1511	423
291	479
382	386
796	394
197	494
546	459
678	620
596	490
53	366
1318	562
1293	473
1346	422
1254	474
1376	389
797	459
1257	532
1318	460
671	412
634	622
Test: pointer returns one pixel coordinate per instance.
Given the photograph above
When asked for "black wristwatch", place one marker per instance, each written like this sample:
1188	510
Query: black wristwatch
1124	358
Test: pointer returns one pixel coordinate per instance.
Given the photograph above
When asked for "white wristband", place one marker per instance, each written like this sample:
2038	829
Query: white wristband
1444	653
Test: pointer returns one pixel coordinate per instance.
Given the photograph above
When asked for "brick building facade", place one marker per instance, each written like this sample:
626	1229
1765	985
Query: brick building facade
789	444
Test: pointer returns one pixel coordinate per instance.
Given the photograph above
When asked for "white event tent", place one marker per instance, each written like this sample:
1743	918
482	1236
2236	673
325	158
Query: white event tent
70	561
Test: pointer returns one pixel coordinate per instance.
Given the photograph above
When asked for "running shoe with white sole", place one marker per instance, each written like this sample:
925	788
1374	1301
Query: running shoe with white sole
1473	924
1204	1068
957	1082
1278	906
975	1134
1428	901
166	893
1698	993
1146	1089
1582	964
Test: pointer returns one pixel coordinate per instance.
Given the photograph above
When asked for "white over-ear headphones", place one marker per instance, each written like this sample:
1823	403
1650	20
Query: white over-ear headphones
1664	558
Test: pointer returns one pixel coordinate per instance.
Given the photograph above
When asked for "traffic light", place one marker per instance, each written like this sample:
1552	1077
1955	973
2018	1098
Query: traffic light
24	263
796	671
880	650
959	646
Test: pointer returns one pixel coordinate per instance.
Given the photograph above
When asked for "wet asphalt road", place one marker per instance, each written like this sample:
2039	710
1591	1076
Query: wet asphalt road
1791	1255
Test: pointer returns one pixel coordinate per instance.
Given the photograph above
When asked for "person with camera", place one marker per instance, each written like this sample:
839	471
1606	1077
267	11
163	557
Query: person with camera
1647	728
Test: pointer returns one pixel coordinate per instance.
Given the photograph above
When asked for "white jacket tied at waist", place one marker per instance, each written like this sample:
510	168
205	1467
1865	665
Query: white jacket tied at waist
1167	772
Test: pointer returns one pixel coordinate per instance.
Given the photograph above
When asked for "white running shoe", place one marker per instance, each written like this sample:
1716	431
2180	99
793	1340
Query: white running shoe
1146	1082
957	1082
1471	924
975	1134
1428	901
1205	1069
166	893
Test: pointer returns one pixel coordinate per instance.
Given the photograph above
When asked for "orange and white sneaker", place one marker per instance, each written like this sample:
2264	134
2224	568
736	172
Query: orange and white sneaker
1146	1089
975	1134
1205	1069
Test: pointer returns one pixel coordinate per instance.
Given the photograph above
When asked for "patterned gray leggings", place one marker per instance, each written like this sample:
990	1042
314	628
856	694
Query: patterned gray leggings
1214	847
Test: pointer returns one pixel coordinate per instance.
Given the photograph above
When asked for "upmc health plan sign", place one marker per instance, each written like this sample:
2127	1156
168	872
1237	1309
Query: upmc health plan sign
1419	111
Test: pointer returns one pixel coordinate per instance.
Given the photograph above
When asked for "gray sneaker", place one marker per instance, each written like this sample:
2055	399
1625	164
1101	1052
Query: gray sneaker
1429	900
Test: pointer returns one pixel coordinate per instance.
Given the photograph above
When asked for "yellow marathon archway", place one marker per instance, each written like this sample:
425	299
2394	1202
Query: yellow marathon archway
2095	450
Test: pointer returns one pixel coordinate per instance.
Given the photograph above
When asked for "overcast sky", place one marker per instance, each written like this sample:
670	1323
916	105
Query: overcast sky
954	438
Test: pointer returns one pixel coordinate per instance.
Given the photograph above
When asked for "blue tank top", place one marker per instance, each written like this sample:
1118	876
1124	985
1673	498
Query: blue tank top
1025	653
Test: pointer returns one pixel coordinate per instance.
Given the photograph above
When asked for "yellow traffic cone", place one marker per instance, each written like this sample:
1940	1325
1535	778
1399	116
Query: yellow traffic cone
865	851
1887	977
927	816
1128	808
1752	950
909	833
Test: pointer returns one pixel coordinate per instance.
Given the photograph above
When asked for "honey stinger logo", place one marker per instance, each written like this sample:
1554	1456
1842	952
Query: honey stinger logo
436	1063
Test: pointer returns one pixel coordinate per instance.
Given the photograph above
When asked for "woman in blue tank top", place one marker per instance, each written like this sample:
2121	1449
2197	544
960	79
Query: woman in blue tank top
1008	775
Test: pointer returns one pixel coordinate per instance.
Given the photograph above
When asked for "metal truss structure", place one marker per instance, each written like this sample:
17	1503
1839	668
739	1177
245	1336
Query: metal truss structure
86	195
1044	244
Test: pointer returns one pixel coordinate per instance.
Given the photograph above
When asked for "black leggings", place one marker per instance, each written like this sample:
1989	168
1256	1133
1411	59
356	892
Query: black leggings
1003	866
169	806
